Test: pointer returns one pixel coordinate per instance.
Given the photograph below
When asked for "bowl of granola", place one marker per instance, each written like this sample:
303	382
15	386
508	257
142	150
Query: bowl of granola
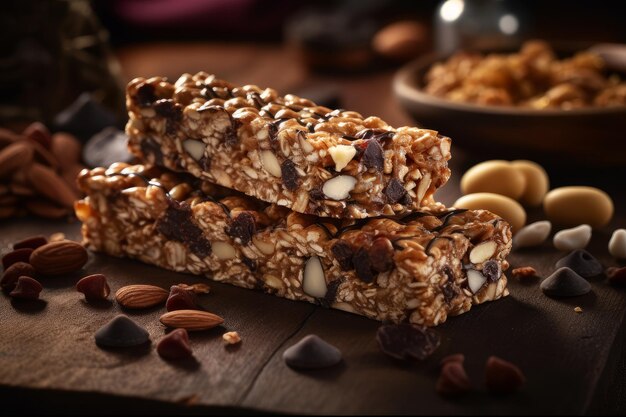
536	101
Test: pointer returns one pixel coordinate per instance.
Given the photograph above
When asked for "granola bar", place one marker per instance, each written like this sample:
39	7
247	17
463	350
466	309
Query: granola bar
285	149
423	266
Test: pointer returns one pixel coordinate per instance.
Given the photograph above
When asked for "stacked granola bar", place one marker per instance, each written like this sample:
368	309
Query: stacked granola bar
308	203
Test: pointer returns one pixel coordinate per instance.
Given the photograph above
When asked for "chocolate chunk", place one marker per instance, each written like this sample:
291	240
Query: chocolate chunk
503	377
121	332
453	380
243	227
342	251
407	341
111	145
289	174
381	254
176	224
26	288
181	299
564	282
331	293
12	274
32	242
169	110
230	135
449	291
363	266
373	156
394	191
85	117
581	262
250	263
175	345
94	287
145	95
312	352
491	270
616	276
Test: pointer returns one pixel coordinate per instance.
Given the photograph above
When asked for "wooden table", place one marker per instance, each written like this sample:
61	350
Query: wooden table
49	363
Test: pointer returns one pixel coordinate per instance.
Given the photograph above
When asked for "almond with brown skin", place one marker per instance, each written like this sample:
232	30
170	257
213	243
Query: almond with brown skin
66	148
191	319
57	258
15	156
38	132
50	184
141	296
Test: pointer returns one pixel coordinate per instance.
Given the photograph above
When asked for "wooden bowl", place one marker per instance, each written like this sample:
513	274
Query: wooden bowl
591	136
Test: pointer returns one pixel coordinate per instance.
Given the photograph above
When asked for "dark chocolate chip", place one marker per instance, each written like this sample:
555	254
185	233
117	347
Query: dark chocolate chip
18	255
453	380
316	194
242	227
373	156
394	191
111	145
12	273
289	174
376	134
616	276
503	377
85	117
581	262
381	254
175	345
564	282
312	353
94	287
32	242
230	135
176	224
331	293
121	331
181	299
145	95
449	291
363	266
491	270
169	110
342	251
407	341
26	288
250	263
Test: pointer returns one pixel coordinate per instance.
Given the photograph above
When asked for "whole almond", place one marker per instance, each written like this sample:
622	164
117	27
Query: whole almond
51	185
141	296
42	154
38	132
58	258
66	148
191	319
15	156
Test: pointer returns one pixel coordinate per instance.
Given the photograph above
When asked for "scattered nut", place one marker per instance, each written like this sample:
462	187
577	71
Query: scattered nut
616	276
503	377
175	345
141	296
574	238
453	380
617	244
339	188
94	287
12	273
32	242
532	235
121	331
191	319
497	176
505	207
181	298
524	272
26	288
313	278
55	237
571	206
231	338
57	258
18	255
578	309
341	154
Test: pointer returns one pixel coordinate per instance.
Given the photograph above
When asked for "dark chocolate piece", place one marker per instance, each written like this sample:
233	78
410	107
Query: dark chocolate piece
26	288
175	345
373	156
176	224
312	353
503	377
581	262
243	227
289	174
121	331
394	191
564	282
343	254
12	273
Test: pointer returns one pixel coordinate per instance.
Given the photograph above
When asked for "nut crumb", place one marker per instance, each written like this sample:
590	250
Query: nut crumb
578	309
56	237
231	338
524	272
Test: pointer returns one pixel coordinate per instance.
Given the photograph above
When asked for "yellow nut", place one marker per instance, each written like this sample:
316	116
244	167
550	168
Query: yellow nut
497	176
572	206
537	182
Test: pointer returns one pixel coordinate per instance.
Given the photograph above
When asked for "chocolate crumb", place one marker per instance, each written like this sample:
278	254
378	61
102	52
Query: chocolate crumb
243	227
373	156
343	253
363	266
394	191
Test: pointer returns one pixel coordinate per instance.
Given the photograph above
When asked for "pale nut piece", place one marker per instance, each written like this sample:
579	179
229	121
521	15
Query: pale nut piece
231	338
223	250
496	176
342	155
475	280
273	281
572	239
267	248
270	163
532	235
191	320
617	244
194	148
505	207
141	296
339	188
482	252
313	279
571	206
537	182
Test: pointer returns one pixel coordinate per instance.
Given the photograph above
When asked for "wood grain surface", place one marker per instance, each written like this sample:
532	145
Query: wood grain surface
49	362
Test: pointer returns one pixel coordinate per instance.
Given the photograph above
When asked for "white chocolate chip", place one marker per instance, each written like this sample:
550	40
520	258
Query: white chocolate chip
532	235
195	148
266	248
223	250
482	252
342	155
339	188
270	163
313	281
617	244
475	280
574	238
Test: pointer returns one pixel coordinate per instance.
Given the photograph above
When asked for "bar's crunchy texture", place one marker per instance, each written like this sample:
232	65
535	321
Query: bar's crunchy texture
422	267
285	150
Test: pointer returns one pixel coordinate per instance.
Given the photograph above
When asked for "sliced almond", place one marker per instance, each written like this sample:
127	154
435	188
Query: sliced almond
313	280
339	188
195	148
15	156
270	163
475	280
50	184
342	155
267	248
223	250
191	320
482	252
141	296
